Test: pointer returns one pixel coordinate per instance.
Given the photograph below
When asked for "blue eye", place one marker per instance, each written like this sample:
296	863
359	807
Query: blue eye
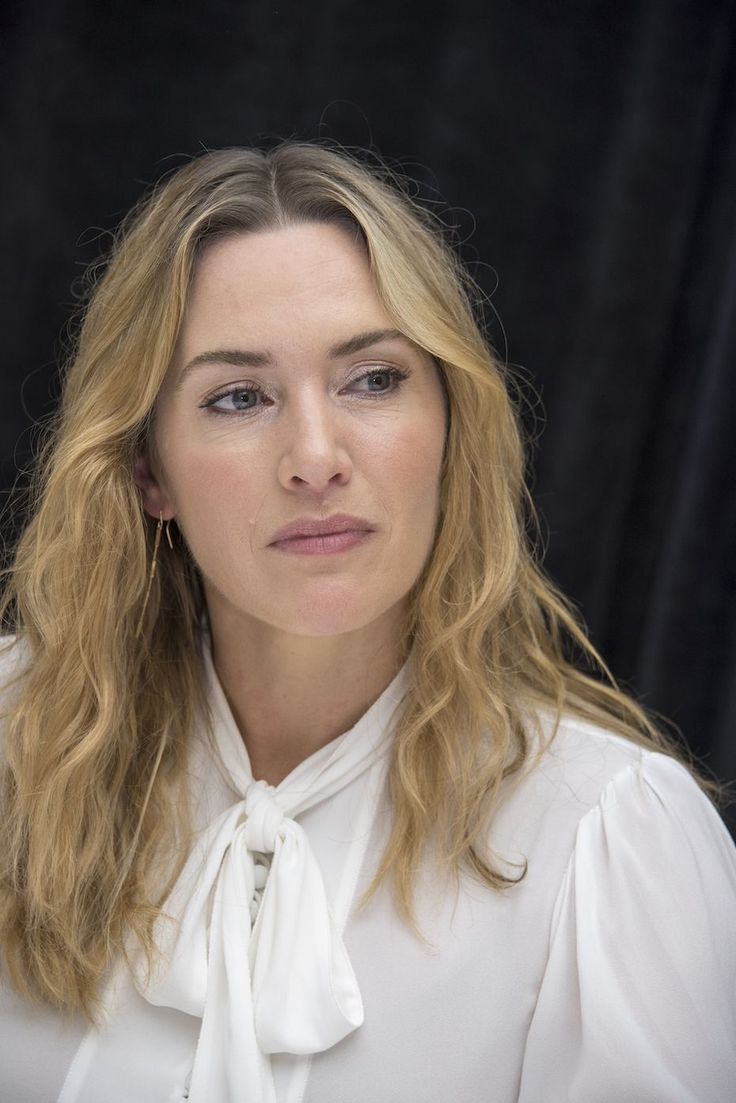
396	376
393	375
238	396
377	375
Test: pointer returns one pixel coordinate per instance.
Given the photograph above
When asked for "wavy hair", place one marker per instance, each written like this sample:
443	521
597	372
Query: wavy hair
97	727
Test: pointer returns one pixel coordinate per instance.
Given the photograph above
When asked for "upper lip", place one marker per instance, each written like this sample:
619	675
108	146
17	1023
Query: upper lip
319	526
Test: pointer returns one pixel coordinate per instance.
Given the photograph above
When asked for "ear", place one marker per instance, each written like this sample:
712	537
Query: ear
154	496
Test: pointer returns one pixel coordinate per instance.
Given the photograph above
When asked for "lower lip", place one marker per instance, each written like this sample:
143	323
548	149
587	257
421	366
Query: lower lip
323	545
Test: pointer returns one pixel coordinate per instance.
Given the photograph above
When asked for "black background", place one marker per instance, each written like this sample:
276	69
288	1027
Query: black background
585	151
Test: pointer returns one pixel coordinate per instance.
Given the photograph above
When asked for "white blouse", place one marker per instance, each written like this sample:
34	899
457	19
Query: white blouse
607	975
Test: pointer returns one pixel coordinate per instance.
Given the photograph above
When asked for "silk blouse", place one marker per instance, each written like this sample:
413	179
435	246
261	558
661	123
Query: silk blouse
608	974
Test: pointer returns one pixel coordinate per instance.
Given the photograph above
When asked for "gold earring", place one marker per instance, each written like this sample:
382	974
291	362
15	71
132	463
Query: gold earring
151	573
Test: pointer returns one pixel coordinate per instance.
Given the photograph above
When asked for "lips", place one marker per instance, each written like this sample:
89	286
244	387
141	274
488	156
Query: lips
322	526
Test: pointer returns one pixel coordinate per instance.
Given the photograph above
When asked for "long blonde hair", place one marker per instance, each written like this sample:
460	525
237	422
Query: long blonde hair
97	727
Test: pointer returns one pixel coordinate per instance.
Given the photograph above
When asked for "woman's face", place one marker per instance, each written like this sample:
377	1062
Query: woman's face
275	423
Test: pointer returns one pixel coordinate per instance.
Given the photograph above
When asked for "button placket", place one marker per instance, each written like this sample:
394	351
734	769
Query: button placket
261	867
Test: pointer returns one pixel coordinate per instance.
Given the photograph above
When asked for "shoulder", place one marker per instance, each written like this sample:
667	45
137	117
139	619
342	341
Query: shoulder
585	787
569	765
575	759
642	947
586	766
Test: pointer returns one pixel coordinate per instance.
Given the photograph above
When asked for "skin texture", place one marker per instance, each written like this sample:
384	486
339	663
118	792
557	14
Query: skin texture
302	645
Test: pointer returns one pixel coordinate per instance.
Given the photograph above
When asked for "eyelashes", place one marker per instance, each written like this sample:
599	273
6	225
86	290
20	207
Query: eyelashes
398	377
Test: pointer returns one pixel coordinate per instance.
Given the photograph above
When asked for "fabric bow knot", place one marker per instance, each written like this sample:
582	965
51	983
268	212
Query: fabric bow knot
256	953
263	818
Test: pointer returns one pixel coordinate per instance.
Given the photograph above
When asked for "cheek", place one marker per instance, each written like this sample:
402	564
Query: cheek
415	457
411	482
205	485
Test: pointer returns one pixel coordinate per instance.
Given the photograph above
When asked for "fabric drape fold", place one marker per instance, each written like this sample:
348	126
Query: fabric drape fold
254	951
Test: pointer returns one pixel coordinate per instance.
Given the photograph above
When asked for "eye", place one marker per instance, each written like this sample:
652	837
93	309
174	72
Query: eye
395	376
236	399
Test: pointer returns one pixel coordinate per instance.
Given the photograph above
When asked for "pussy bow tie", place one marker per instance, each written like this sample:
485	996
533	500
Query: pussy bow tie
258	955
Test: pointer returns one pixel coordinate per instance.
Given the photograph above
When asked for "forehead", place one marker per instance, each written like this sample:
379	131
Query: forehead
279	297
299	264
294	291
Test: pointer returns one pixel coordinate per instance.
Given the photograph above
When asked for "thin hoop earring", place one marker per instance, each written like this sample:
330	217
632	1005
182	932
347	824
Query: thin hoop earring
154	563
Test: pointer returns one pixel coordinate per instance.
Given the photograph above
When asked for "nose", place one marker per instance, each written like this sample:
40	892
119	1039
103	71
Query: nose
315	453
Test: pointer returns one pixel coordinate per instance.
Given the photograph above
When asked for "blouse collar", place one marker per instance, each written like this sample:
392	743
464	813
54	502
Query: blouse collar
256	952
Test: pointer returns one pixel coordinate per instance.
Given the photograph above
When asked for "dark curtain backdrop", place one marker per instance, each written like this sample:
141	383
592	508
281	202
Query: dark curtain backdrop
585	151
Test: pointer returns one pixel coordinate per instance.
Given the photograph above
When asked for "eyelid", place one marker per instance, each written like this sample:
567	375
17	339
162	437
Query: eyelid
233	388
398	375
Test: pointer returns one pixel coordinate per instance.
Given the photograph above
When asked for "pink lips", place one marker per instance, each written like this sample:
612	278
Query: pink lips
323	536
323	526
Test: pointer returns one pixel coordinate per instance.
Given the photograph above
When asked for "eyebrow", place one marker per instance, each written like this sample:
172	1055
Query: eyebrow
257	358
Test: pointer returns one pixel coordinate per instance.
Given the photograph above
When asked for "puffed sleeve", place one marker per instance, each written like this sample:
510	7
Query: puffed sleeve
638	998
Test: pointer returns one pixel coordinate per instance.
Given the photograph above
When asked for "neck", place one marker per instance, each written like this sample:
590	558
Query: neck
291	695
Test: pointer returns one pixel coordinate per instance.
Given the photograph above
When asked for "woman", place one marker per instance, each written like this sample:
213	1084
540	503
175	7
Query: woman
302	798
